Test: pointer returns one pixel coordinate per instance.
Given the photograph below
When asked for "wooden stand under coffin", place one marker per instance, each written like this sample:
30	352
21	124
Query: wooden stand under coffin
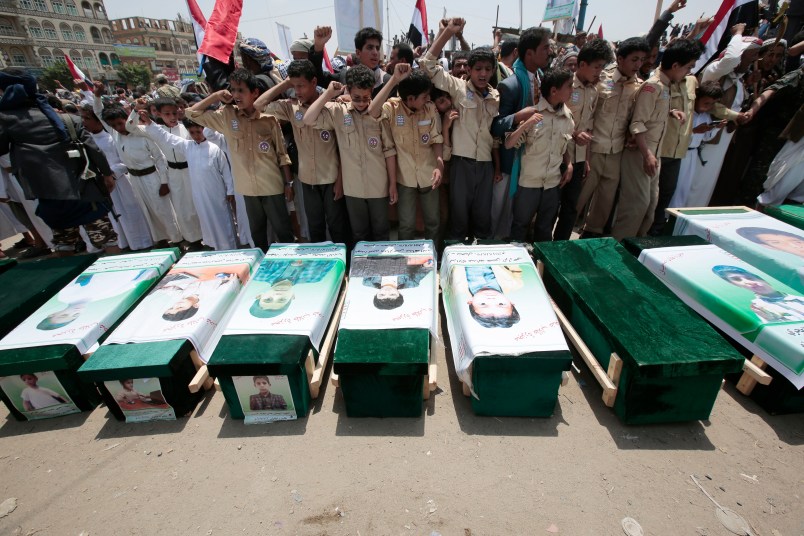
656	360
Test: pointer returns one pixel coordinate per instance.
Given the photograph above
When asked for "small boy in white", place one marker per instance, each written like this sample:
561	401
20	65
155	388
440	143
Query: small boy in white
35	397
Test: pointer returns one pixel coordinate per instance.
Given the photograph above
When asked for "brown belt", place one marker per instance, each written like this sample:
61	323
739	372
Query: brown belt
142	172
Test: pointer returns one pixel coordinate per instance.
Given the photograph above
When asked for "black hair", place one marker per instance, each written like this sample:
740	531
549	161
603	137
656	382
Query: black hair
555	78
631	45
87	107
798	38
360	77
164	102
180	315
435	93
55	103
404	52
123	382
120	90
191	98
254	380
70	108
111	113
682	52
508	46
301	68
389	304
189	123
458	55
414	85
483	54
752	234
711	88
364	35
496	321
597	49
244	76
531	39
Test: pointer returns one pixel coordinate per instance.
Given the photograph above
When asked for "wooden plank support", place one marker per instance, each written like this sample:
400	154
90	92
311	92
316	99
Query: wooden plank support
201	377
317	375
609	388
753	375
208	380
465	389
613	372
431	380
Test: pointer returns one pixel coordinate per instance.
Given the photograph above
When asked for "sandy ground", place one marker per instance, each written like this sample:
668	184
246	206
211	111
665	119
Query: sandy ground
448	472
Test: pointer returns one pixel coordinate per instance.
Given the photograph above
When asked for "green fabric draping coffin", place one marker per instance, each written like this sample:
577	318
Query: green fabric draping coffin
790	214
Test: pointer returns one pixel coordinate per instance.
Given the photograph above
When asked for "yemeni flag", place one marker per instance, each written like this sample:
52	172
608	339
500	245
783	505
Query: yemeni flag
418	33
717	36
199	24
600	31
77	73
221	30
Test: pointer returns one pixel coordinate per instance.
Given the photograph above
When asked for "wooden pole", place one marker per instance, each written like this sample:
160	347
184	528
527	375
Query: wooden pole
658	10
590	24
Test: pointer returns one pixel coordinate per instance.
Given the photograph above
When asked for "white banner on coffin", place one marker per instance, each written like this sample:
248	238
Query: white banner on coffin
391	286
190	301
496	304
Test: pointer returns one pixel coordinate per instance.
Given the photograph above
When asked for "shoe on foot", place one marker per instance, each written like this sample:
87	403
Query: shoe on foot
33	252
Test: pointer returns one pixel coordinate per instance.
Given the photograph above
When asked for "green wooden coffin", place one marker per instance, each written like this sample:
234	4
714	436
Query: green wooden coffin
790	214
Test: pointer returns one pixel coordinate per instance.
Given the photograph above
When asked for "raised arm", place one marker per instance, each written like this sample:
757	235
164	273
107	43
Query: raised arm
272	94
333	90
454	26
401	71
161	135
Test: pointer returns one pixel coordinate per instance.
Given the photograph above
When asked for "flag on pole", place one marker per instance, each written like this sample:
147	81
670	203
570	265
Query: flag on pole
418	34
600	31
221	30
717	35
285	40
327	64
199	23
77	73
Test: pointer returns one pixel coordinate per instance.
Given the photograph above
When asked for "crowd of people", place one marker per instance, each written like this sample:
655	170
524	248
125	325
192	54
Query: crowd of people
527	140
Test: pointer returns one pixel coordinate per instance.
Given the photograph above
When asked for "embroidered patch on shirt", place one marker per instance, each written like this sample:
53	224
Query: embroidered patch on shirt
373	142
649	89
665	94
576	96
540	124
299	115
425	137
610	85
235	125
347	120
470	95
400	120
326	135
425	122
264	146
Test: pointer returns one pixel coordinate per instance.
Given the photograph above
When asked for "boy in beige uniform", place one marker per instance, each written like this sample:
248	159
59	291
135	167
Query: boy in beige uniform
639	186
592	58
546	135
260	162
616	90
319	165
471	168
416	128
368	155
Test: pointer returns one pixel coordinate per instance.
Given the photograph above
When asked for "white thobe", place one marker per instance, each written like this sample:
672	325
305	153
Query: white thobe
211	180
691	165
10	188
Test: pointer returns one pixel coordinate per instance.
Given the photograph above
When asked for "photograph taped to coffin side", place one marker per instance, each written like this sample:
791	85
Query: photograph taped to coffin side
141	399
391	286
771	245
293	292
763	314
92	302
265	399
190	301
496	304
38	396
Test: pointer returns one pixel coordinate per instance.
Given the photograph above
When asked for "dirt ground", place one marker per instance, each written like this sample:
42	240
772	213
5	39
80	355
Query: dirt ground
449	472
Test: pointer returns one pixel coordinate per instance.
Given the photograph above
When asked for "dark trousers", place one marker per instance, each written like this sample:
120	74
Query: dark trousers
368	218
324	212
470	194
668	179
568	210
543	204
406	208
264	209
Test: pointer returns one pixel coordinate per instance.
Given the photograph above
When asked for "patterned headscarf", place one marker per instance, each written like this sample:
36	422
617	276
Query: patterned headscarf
259	52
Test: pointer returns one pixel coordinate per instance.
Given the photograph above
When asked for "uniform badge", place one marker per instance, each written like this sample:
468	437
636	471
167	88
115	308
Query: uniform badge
610	85
470	95
540	124
576	96
347	120
373	142
400	120
425	137
326	135
647	88
264	146
299	115
666	94
235	125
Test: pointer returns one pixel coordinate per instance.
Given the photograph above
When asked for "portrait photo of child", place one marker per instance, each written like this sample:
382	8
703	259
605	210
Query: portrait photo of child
37	395
264	398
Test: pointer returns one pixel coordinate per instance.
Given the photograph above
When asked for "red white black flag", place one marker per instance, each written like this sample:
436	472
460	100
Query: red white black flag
717	35
418	33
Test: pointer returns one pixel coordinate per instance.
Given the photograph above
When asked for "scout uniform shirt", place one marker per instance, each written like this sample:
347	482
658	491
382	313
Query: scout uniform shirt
678	135
545	145
364	143
651	110
615	102
582	105
471	132
255	144
318	151
414	135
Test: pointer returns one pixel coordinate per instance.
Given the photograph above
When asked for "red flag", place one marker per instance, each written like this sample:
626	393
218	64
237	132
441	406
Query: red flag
327	63
221	30
715	32
600	31
418	32
76	72
199	23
